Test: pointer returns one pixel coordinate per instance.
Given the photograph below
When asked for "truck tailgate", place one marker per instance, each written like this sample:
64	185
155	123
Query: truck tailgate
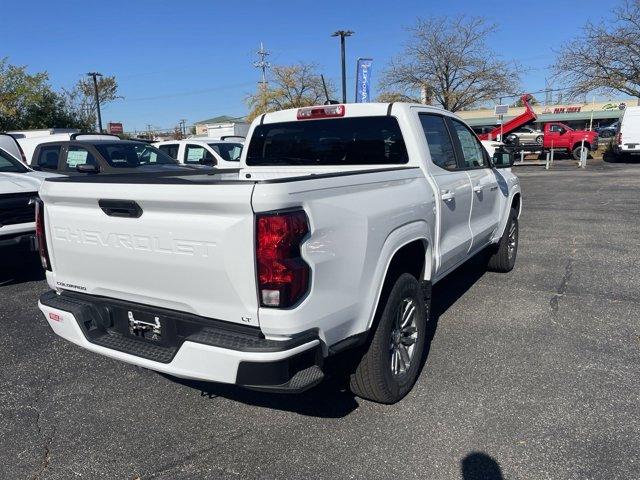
190	250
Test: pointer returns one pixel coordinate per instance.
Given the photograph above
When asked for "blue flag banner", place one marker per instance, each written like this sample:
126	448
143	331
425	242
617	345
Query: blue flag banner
363	80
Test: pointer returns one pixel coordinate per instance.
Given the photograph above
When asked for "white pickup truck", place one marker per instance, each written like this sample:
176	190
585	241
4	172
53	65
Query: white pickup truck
327	239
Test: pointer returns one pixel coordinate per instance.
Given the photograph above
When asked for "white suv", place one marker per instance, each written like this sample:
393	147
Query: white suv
222	154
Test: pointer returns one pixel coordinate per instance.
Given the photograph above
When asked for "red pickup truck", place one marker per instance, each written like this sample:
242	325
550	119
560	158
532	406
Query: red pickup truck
556	135
561	137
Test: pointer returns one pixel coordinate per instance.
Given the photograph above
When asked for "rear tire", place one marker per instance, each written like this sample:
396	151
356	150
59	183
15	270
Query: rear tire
539	140
504	257
389	368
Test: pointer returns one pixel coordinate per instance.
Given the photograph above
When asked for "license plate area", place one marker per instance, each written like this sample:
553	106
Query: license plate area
145	325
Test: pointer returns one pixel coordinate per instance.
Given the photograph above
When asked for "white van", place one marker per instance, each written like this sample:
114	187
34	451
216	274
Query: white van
222	154
628	136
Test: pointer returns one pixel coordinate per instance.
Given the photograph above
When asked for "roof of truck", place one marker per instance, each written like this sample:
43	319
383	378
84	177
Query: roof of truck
351	110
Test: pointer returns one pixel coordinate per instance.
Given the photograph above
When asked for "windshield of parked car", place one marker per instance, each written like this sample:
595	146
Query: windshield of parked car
8	164
344	141
132	154
228	151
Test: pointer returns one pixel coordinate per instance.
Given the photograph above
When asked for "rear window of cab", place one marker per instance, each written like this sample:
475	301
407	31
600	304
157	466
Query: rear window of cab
325	142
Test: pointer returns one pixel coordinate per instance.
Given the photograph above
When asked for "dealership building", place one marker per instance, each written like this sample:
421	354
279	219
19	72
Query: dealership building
575	115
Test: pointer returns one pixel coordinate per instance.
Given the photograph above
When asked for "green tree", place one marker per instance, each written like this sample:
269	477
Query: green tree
27	101
290	86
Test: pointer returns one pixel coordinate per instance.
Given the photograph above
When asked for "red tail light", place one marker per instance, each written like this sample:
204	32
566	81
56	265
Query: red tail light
619	138
327	111
283	276
41	237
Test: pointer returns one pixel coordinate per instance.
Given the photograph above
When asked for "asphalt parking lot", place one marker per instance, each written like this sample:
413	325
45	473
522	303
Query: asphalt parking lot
530	375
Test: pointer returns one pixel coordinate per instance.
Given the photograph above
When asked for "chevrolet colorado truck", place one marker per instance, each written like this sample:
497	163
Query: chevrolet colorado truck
326	240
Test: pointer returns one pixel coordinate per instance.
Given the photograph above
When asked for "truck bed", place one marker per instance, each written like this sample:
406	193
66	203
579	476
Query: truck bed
123	237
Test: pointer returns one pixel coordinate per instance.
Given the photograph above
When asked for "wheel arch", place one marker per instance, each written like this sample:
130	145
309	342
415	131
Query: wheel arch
402	260
579	144
516	203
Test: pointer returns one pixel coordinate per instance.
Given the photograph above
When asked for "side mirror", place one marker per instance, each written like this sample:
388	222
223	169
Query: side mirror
207	161
503	158
88	168
37	168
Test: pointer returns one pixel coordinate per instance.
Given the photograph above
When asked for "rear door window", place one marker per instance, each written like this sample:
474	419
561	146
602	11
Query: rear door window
228	151
198	154
48	157
439	141
132	155
343	141
78	156
171	149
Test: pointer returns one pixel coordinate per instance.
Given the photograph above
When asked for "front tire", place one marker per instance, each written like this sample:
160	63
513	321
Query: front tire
389	368
504	257
539	140
577	151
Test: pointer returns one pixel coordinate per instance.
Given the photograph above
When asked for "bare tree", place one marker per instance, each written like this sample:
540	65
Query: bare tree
290	86
82	96
606	57
447	61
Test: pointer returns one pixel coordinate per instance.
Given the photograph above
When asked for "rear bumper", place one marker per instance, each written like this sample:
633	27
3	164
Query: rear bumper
209	350
633	148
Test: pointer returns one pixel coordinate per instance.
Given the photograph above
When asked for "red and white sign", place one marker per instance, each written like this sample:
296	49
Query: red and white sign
567	109
115	128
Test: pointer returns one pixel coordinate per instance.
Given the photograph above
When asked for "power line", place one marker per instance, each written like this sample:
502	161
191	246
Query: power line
262	64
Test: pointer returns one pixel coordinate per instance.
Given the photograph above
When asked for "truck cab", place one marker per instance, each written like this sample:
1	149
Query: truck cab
562	137
222	154
99	155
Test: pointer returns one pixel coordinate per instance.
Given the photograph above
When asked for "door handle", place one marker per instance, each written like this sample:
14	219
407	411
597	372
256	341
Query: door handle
495	187
447	195
120	208
477	188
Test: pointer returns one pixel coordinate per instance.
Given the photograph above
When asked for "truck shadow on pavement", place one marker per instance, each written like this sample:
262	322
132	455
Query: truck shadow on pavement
332	398
446	292
20	267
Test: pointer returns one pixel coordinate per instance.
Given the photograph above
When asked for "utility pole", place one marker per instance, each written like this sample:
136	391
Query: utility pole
183	127
94	75
342	34
262	64
149	131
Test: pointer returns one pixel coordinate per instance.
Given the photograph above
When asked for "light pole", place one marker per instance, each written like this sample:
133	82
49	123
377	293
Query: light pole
94	75
342	34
